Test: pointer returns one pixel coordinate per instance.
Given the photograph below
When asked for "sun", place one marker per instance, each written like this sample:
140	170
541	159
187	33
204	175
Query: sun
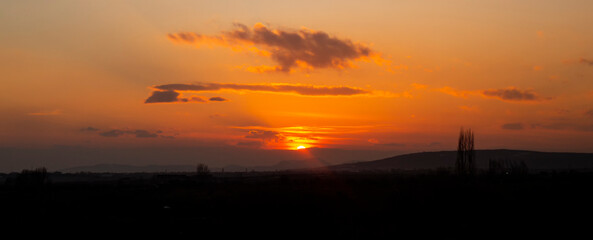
300	147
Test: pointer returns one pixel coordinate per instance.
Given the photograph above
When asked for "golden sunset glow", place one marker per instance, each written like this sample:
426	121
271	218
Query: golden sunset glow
271	77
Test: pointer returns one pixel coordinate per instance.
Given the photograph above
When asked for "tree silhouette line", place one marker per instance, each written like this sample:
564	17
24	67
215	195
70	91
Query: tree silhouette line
465	163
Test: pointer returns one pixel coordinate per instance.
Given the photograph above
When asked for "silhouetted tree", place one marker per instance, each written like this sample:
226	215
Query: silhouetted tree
32	178
465	164
202	169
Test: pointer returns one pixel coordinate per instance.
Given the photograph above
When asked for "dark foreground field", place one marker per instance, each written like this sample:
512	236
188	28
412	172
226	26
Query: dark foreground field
297	205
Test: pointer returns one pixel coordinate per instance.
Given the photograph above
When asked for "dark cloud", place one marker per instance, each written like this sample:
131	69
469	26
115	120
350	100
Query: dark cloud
89	129
218	99
512	126
264	135
512	94
112	133
307	90
586	61
589	113
163	96
289	49
170	96
143	134
137	133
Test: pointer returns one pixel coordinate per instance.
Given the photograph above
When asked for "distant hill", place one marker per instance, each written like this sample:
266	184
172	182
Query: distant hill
121	168
446	159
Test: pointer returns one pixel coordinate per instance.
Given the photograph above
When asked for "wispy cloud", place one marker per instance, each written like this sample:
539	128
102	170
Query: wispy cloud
457	93
89	129
306	90
112	133
509	94
586	61
218	99
265	135
171	93
304	48
139	133
512	94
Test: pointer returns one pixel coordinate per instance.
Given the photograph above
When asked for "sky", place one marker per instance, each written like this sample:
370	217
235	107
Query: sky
249	82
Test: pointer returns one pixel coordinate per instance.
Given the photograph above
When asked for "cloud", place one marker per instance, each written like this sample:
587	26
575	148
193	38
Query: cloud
589	113
512	94
170	96
509	94
170	93
512	126
137	133
112	133
454	92
305	48
218	99
89	129
163	96
265	135
306	90
586	61
144	134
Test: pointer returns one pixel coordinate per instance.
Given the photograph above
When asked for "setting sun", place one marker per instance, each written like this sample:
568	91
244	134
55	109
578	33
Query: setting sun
301	147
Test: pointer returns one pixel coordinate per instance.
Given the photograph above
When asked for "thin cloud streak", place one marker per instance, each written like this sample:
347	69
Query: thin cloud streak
139	133
509	94
586	61
306	90
512	94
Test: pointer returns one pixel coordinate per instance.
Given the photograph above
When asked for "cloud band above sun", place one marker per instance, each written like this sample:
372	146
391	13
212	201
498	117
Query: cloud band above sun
290	50
170	93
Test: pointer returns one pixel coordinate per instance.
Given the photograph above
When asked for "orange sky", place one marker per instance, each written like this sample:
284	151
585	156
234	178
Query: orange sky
360	75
